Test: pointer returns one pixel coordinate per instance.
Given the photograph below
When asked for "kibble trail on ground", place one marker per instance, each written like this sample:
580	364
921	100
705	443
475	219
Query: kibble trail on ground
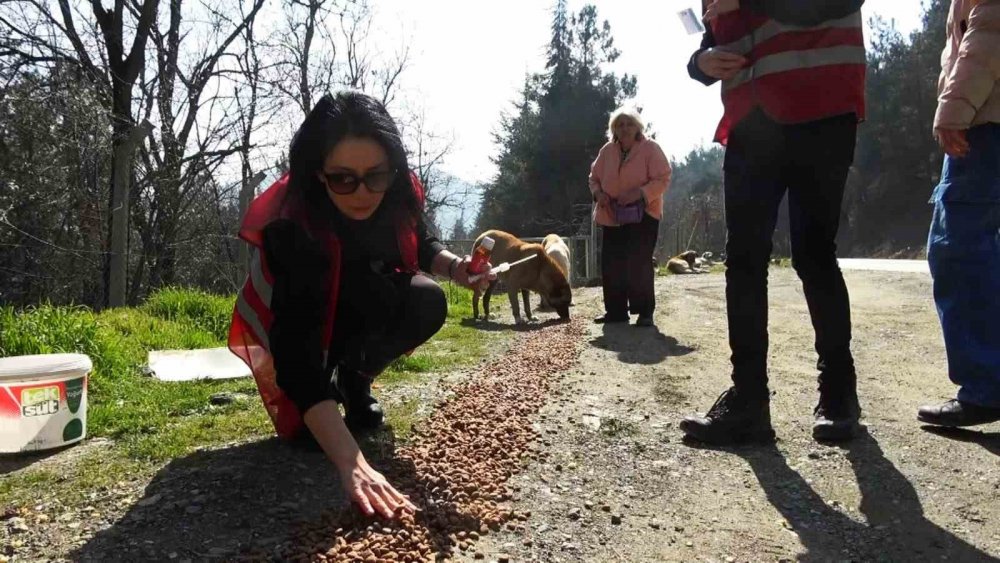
457	465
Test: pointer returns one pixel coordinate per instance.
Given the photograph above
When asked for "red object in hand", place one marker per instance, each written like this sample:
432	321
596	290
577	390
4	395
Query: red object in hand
481	256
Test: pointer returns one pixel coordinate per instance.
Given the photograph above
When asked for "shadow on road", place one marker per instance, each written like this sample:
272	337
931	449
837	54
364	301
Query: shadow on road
895	528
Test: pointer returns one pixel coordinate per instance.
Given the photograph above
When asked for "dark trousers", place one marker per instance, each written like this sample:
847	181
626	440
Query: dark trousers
627	268
370	344
810	162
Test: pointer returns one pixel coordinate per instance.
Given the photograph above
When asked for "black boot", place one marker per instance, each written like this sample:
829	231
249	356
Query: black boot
957	413
362	411
837	413
645	320
736	417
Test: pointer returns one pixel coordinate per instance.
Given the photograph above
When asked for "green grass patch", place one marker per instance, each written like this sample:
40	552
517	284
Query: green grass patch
97	471
13	487
402	417
194	309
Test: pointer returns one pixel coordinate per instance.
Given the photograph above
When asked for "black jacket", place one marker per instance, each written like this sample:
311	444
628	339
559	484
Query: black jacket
368	292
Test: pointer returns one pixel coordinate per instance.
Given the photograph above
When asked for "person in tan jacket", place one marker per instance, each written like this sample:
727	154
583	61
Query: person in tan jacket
627	181
963	247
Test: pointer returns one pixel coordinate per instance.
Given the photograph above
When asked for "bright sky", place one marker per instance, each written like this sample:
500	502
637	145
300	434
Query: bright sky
469	60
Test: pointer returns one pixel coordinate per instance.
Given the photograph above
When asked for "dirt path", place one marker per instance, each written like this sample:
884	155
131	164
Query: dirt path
620	485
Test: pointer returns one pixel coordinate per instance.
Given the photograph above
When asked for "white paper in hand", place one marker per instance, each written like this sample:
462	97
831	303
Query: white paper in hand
692	24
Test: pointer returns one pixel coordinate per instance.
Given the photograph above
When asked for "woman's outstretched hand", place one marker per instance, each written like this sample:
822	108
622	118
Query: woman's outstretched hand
366	488
371	492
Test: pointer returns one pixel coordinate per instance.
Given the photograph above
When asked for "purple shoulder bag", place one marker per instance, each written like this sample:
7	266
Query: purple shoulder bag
630	213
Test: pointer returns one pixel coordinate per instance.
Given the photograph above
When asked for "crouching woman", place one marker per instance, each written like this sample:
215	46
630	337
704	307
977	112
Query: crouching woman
335	292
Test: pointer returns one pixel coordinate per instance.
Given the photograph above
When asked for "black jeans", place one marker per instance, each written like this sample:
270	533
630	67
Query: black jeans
414	310
810	161
627	268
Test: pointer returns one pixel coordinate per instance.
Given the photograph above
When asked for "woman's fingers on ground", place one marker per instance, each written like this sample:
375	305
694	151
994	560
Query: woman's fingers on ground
361	499
373	492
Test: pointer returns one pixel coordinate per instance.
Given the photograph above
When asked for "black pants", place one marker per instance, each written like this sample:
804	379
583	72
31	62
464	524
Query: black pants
627	268
810	161
368	343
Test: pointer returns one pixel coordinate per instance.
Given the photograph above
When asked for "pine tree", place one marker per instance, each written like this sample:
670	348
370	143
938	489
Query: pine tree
547	147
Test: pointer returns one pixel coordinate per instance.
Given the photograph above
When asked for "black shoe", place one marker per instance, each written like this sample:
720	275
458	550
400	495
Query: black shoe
644	320
608	319
957	413
362	411
837	414
736	417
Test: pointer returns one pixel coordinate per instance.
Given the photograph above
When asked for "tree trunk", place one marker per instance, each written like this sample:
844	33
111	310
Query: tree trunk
121	177
247	191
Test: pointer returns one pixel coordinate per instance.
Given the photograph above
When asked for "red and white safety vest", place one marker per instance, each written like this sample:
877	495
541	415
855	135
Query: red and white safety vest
252	316
795	74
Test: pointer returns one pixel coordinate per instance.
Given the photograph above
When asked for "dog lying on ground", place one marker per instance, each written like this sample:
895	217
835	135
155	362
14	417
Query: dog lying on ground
685	263
557	248
704	261
541	275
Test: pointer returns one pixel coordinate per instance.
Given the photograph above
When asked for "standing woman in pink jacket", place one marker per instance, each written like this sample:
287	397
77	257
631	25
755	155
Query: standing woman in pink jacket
628	181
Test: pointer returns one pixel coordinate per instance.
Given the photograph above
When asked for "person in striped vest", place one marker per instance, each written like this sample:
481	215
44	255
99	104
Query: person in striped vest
334	292
793	76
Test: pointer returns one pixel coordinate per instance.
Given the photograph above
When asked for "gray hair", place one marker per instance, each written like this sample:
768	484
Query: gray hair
625	112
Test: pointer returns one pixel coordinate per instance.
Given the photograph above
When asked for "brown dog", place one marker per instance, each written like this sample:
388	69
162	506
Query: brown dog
685	263
540	274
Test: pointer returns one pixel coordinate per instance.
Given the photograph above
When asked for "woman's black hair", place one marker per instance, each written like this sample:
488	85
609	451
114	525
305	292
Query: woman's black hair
333	119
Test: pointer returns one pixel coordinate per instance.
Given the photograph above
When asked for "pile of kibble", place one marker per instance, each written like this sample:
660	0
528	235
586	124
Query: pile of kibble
456	466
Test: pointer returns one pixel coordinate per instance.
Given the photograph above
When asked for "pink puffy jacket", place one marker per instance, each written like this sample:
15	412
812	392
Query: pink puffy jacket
969	87
646	169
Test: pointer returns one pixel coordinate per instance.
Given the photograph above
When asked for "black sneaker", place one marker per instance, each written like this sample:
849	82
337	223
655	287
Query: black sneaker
644	320
837	414
736	418
608	319
957	413
361	410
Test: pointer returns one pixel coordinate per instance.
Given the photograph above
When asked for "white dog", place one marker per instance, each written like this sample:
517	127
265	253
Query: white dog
558	250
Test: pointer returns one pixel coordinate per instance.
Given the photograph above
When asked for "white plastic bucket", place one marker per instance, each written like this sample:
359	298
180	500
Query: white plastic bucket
43	401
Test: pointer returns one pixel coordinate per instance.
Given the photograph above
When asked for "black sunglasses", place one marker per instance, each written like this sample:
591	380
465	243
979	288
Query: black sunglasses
345	183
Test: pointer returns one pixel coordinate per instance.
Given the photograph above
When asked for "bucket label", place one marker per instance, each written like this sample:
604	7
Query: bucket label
74	393
40	401
36	415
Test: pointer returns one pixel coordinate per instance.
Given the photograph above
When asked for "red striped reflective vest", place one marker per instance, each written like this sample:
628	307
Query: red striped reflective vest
795	74
252	316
